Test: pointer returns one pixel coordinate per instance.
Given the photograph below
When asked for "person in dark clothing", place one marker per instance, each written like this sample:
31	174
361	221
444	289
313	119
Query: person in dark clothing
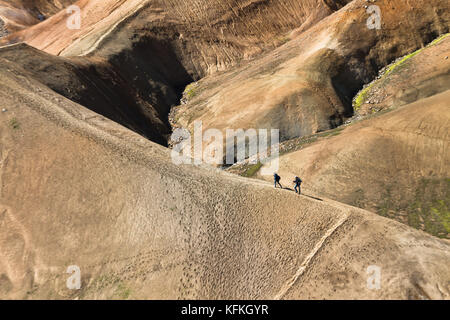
276	179
297	182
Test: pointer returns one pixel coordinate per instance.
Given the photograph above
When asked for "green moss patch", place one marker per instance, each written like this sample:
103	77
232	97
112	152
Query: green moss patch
191	91
361	97
430	210
252	170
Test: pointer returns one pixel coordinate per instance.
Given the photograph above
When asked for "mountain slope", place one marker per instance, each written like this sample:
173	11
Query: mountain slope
21	14
307	85
396	164
418	75
78	189
152	50
127	97
302	87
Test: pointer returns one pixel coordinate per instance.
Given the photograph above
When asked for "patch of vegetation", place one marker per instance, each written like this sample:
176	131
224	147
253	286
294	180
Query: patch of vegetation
252	170
122	291
299	143
388	208
104	281
190	91
430	210
108	282
439	39
358	198
283	40
331	133
375	113
399	62
361	97
296	144
14	123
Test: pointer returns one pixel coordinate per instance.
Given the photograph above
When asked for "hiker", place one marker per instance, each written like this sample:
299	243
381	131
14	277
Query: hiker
276	179
41	17
297	182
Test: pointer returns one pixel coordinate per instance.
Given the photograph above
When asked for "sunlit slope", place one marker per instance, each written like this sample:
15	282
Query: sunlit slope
290	65
77	189
210	34
307	85
21	14
396	164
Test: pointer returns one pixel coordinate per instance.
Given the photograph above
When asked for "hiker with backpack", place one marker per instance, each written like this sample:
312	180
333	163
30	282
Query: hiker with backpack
297	182
276	179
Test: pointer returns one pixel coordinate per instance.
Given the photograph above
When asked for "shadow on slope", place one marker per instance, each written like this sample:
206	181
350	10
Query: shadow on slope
78	189
138	96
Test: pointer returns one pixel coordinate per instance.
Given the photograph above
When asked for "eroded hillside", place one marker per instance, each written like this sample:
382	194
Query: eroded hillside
307	85
78	189
153	49
16	15
139	104
396	163
302	87
419	74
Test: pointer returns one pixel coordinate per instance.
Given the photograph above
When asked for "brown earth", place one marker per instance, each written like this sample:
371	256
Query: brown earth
153	49
213	35
406	164
306	85
20	14
13	18
396	164
78	189
425	73
129	98
45	7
